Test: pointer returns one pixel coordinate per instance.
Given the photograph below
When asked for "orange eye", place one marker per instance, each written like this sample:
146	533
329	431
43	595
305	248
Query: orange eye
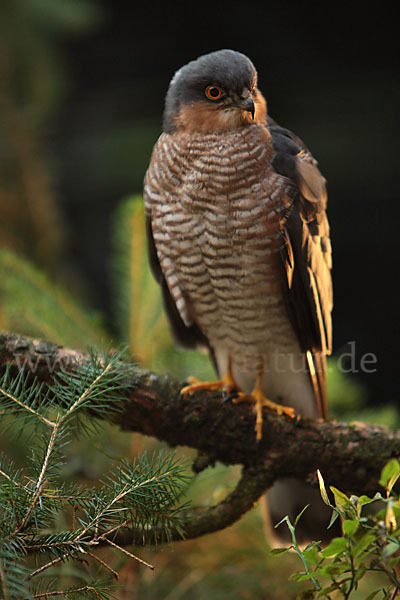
213	92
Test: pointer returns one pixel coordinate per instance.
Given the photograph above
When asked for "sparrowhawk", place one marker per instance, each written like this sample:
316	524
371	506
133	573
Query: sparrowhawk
239	238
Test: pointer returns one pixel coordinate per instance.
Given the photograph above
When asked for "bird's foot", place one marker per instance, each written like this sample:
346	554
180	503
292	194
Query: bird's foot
227	384
260	400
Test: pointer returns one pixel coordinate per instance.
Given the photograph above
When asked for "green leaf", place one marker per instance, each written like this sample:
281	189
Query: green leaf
311	555
279	551
300	515
336	546
393	562
363	543
391	469
301	576
363	500
373	594
334	516
341	500
350	527
327	590
390	549
322	489
284	520
391	483
335	569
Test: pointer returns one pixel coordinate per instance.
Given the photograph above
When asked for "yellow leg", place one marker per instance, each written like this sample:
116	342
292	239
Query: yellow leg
226	383
257	396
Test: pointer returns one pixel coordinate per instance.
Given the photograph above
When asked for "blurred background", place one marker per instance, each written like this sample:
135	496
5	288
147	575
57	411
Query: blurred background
81	101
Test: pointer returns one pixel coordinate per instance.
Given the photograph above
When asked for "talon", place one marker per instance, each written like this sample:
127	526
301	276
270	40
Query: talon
231	391
227	384
206	385
192	380
260	400
230	397
194	384
242	397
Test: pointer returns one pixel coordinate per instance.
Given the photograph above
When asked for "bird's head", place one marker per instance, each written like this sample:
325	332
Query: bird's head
216	92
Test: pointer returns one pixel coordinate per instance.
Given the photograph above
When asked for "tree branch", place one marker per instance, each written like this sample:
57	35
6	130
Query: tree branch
350	456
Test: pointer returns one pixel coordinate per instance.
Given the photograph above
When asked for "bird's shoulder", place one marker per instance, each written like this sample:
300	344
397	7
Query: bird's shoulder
306	253
293	160
306	248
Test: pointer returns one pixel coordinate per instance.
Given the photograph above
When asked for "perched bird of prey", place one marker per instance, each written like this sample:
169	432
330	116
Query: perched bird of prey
239	240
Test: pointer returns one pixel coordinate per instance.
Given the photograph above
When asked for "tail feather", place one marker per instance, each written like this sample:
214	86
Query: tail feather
289	496
316	362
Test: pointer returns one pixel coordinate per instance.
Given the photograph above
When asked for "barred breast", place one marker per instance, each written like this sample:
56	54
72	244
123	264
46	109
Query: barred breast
216	208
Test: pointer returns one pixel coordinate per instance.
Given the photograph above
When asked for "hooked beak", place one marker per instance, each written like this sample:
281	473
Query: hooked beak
248	105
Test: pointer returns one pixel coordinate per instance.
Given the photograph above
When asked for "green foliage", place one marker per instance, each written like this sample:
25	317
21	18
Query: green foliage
28	28
370	544
234	566
139	313
346	395
347	400
218	569
33	305
140	494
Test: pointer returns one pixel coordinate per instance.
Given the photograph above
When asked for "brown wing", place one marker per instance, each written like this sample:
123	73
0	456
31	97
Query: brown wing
306	255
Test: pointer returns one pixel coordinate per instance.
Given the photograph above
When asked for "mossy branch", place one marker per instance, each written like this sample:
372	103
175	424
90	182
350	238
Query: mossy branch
351	456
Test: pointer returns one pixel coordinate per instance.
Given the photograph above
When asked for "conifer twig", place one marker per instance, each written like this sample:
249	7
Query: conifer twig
350	455
46	566
85	588
128	553
25	407
31	507
103	564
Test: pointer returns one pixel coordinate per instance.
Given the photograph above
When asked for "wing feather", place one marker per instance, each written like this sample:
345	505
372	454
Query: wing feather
306	255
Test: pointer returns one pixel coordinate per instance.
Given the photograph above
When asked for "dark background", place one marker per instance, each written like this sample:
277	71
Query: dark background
328	73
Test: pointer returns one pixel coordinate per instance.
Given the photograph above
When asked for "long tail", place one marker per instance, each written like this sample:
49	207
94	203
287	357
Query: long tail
316	362
290	496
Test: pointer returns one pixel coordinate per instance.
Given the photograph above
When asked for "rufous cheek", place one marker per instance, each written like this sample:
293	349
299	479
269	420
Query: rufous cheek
206	118
260	106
